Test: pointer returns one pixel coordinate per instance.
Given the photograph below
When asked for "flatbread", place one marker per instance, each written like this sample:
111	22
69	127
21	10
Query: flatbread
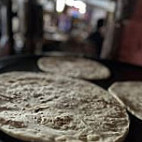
74	67
49	108
129	93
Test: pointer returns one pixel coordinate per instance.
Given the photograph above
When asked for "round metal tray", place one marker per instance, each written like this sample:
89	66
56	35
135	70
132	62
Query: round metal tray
120	72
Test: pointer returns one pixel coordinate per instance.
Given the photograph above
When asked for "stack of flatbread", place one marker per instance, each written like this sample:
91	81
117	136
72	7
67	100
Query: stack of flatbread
51	108
74	67
129	93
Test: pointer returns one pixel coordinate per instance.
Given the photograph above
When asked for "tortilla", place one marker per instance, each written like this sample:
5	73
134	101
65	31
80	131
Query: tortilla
74	67
49	108
129	93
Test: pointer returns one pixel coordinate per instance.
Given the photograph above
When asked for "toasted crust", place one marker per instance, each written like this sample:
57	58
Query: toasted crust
74	67
51	108
129	93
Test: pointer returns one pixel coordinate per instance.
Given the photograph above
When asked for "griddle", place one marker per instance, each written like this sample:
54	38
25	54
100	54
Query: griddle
120	72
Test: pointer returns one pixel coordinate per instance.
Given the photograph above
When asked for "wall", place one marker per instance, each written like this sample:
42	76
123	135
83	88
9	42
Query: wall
131	38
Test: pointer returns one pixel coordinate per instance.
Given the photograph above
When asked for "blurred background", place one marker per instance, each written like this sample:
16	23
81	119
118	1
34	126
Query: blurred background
102	29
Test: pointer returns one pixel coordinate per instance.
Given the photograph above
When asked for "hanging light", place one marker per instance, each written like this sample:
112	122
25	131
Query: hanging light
81	6
70	2
60	5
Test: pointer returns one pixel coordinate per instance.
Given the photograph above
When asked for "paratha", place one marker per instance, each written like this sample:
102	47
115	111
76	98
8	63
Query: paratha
129	93
49	108
74	67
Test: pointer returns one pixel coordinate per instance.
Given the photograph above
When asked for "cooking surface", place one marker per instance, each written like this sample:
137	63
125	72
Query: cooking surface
120	72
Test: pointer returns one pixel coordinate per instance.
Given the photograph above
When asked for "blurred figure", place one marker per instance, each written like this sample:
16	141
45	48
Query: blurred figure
96	38
64	21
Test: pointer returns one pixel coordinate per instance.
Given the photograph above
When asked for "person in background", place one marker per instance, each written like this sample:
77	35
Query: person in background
64	21
96	38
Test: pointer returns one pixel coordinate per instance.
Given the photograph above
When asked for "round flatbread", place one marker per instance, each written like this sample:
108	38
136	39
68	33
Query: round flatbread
46	108
74	67
130	95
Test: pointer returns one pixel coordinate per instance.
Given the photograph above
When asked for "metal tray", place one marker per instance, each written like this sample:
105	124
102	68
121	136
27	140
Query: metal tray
120	72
